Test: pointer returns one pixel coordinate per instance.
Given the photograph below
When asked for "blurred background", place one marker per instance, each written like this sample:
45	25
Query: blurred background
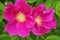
53	35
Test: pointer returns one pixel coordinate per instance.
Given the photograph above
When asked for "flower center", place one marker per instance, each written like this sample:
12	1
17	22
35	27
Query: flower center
20	17
38	20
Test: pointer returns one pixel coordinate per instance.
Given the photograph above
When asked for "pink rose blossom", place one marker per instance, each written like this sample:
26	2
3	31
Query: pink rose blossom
19	18
44	20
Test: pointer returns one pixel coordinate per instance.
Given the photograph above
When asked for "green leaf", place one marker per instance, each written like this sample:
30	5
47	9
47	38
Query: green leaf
57	31
28	38
31	1
51	3
2	24
58	8
32	36
4	37
39	2
54	4
1	6
14	38
37	38
1	16
53	37
48	3
8	2
58	13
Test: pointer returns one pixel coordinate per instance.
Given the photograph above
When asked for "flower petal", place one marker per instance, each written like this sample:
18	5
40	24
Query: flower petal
22	30
40	31
38	10
11	29
49	15
49	25
30	22
9	12
23	6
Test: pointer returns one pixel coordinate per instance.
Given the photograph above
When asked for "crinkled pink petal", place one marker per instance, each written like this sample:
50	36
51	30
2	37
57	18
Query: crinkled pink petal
9	12
40	31
38	10
22	30
19	1
11	29
23	6
30	22
49	15
49	25
35	31
41	7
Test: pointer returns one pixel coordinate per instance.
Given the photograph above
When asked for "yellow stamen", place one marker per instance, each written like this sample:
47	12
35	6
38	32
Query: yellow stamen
20	17
38	20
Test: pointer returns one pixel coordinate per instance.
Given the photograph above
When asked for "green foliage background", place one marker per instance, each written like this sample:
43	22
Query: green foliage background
53	35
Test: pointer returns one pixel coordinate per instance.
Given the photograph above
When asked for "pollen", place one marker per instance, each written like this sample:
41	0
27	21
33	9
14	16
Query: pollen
38	20
20	17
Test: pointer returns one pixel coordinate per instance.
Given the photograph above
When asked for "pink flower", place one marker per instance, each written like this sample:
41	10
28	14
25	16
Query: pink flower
44	20
19	18
22	19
